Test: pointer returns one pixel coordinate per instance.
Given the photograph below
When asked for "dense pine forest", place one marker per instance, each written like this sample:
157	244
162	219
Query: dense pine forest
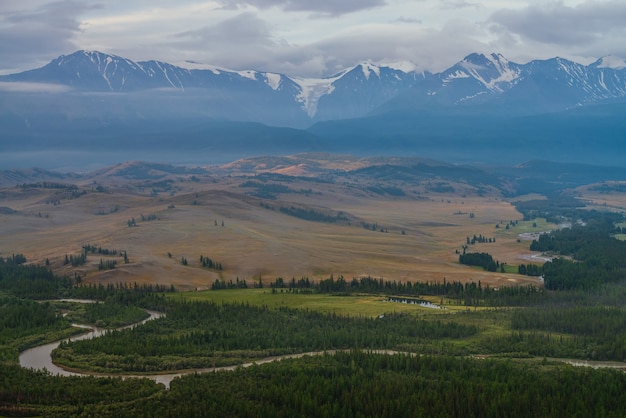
495	354
202	334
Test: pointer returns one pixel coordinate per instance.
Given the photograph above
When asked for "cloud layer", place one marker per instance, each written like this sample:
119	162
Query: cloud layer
329	7
310	38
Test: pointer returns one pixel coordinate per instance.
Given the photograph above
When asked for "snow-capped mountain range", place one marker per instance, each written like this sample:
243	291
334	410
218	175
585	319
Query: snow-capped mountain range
531	88
90	107
91	71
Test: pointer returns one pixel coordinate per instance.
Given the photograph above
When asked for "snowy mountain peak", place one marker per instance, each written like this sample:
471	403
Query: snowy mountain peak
493	71
552	84
368	69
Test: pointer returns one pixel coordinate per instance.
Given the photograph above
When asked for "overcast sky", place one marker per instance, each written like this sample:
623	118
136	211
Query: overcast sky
310	37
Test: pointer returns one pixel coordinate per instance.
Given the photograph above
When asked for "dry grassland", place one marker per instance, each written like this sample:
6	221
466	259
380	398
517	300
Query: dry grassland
257	241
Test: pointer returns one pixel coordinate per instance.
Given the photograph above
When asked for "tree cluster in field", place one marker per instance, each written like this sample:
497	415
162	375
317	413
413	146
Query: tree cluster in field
75	260
209	263
92	249
270	191
114	209
439	187
375	227
133	222
48	185
266	190
312	215
478	239
75	194
483	260
203	334
15	259
388	190
107	264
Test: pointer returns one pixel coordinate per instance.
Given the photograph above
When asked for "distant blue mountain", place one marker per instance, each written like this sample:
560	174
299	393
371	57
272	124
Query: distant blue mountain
489	81
481	108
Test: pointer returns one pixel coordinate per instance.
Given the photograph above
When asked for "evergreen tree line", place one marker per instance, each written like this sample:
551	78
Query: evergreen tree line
147	296
15	259
469	293
357	384
30	281
109	314
203	334
480	239
25	392
223	284
597	332
21	317
302	283
599	258
350	384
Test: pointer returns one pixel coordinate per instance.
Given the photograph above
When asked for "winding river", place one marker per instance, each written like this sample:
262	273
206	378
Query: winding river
40	357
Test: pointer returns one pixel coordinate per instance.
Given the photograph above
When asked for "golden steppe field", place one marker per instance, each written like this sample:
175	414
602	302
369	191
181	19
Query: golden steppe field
409	236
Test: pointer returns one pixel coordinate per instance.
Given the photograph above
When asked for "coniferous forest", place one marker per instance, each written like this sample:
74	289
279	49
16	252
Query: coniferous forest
498	353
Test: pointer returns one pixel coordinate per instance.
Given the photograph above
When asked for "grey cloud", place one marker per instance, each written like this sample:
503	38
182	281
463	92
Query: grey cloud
45	31
403	19
238	43
458	4
245	27
428	49
556	23
326	7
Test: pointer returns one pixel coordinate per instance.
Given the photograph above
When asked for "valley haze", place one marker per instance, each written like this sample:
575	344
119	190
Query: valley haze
89	109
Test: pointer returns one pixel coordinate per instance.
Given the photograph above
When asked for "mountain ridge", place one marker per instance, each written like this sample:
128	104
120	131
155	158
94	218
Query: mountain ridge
551	85
482	109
